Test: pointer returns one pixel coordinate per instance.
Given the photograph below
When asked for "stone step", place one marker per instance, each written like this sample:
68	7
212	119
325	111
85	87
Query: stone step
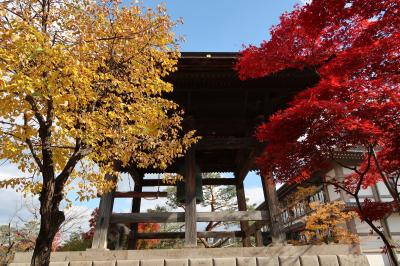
306	260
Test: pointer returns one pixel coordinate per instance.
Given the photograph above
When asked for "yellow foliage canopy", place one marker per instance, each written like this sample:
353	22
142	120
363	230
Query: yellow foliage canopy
81	81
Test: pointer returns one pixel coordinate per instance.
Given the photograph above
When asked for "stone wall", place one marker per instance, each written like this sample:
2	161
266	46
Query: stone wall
322	255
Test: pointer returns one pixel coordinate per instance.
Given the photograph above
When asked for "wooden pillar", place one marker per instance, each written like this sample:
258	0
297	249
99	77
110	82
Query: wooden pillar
271	198
103	220
244	225
135	209
190	202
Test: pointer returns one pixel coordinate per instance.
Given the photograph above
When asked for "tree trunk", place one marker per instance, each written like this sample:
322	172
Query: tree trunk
50	220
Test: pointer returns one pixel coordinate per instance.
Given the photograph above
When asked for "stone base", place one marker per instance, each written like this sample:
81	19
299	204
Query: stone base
285	255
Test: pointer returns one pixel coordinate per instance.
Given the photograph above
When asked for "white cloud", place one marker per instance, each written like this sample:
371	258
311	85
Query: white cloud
255	195
13	206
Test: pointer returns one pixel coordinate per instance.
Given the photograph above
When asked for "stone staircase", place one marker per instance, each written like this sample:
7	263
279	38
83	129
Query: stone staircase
323	255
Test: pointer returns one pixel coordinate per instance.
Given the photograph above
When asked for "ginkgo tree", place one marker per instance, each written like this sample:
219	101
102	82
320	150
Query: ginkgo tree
81	92
353	45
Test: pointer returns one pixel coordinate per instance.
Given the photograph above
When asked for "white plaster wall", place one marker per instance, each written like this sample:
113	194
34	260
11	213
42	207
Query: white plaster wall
333	195
347	171
363	227
383	191
378	259
370	242
394	223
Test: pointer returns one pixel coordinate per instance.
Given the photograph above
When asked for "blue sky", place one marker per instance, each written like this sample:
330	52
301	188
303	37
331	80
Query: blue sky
214	26
223	25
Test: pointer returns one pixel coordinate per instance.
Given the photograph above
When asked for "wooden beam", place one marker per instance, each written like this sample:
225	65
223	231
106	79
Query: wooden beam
219	181
134	194
162	217
233	216
217	234
181	235
226	143
161	235
206	182
177	217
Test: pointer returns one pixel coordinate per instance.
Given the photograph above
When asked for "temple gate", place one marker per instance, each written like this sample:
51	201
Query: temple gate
225	112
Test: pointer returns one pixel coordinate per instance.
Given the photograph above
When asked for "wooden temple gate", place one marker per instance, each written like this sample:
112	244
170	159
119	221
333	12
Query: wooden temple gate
225	112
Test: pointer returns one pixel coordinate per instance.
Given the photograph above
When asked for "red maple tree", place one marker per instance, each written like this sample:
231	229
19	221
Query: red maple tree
92	224
354	46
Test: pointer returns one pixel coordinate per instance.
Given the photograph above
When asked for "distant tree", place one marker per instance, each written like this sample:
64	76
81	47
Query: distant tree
20	234
82	82
17	238
92	224
353	46
76	242
147	228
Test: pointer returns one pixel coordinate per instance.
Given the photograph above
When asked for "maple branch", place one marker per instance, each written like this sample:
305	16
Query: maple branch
376	229
337	185
397	182
361	209
348	167
383	176
359	183
370	148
